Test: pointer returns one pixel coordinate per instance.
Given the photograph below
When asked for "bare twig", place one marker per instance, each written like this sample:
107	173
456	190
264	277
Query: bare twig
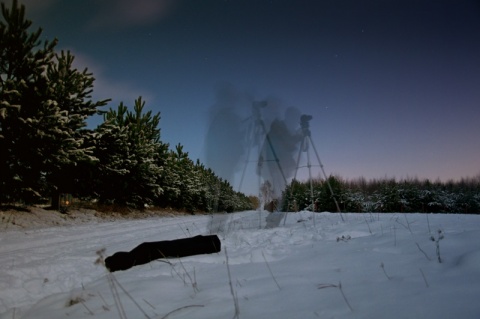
232	291
323	286
424	278
105	307
395	235
163	261
407	226
270	270
113	288
383	268
172	266
153	307
89	311
192	281
408	223
344	297
437	244
130	297
339	286
116	297
184	233
181	308
428	223
366	221
113	283
424	253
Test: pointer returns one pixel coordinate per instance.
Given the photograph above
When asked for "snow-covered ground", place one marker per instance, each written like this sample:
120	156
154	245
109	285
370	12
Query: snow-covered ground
368	266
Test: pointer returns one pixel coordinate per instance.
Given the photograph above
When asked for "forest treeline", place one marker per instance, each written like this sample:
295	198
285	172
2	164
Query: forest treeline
387	195
46	148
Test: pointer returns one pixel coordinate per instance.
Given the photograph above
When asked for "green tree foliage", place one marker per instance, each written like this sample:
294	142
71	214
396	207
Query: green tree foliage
45	148
388	195
128	147
300	197
179	180
324	200
44	103
135	168
192	187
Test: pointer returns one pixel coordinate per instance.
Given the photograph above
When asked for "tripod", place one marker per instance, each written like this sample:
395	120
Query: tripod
305	147
256	131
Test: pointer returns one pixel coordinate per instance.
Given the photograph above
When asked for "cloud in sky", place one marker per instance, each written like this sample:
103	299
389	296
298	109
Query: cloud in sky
105	87
120	14
140	11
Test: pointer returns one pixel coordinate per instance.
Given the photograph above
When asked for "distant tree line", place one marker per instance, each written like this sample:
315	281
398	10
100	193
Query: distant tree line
388	195
46	148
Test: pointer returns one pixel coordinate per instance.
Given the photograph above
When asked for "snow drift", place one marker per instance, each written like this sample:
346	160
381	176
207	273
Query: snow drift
313	266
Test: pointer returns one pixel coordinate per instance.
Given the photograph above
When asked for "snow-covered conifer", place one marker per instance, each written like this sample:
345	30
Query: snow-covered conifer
129	148
44	103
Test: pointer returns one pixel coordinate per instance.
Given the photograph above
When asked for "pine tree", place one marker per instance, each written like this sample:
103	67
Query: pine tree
178	181
23	61
70	105
129	149
44	106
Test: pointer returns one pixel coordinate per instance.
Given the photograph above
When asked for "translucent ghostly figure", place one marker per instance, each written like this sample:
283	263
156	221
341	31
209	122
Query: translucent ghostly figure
276	162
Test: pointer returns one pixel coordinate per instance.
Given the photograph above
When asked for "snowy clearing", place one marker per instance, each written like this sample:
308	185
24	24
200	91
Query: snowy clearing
370	266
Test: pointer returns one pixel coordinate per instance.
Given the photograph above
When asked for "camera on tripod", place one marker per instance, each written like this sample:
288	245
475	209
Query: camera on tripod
305	124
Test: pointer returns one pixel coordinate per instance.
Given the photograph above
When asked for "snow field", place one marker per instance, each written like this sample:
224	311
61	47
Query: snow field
385	264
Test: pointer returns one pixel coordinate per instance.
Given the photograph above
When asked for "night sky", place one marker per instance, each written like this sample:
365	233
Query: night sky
393	86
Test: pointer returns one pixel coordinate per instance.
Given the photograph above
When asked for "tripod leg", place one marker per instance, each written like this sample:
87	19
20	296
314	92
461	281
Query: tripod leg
298	158
245	167
326	179
269	141
276	159
309	165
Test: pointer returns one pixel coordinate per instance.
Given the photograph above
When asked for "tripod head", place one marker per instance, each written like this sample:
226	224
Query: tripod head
305	124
